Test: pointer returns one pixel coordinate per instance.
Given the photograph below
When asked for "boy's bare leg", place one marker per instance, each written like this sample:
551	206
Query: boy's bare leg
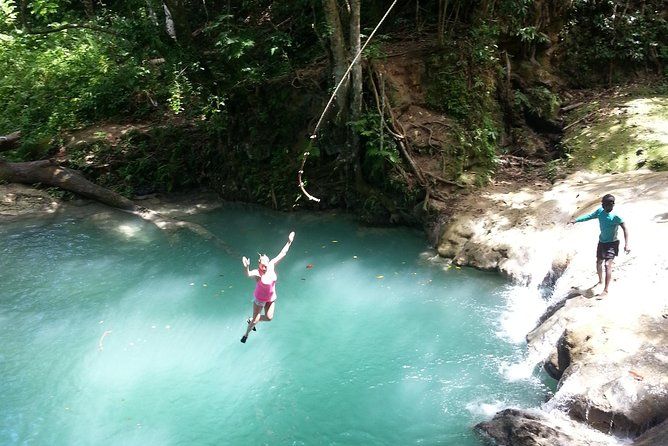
599	271
608	275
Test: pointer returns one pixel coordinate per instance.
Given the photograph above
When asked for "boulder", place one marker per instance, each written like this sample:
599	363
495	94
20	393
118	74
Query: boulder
520	428
657	436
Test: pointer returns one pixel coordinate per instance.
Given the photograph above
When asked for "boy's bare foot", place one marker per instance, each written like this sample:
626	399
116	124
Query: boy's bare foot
601	295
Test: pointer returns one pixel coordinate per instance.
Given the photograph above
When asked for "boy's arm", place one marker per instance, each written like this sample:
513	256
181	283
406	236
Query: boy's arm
627	247
285	249
585	217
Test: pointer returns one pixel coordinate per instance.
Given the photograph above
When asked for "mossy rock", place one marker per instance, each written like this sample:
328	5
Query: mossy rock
627	134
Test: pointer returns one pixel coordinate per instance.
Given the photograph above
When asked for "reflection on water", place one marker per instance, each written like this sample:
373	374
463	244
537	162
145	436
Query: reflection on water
113	333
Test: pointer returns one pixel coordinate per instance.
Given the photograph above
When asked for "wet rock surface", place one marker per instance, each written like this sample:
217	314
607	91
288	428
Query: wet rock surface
608	353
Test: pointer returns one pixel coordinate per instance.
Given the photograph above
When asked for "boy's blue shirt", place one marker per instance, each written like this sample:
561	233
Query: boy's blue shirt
608	222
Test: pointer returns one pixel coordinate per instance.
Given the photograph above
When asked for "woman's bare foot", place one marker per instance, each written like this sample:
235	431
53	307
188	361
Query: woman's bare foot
248	321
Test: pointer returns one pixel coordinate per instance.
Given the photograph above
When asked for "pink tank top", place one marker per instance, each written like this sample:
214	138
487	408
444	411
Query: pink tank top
265	292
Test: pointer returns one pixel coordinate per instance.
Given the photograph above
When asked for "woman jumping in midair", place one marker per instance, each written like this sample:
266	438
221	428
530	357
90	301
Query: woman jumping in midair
265	289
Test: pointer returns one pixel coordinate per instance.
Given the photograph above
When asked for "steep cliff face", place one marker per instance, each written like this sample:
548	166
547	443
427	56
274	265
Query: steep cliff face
609	354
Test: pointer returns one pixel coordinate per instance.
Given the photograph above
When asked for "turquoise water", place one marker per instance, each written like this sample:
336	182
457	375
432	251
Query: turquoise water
113	333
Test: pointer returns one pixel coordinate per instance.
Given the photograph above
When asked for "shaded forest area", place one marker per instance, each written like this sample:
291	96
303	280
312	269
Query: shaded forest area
145	96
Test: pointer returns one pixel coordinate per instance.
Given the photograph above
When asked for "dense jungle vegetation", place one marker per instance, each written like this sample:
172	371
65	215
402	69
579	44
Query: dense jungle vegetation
226	95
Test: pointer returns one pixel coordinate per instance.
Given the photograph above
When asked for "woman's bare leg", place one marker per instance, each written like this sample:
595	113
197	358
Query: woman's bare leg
255	319
268	311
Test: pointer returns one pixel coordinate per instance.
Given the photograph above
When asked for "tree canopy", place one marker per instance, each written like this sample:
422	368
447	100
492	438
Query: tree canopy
253	76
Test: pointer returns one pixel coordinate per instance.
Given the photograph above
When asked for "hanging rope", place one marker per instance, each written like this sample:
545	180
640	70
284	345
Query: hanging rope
314	135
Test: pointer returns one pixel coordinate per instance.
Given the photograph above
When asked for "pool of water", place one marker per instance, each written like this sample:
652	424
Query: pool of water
112	332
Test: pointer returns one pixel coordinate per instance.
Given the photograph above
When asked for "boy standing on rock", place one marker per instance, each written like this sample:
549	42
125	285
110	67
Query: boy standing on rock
608	243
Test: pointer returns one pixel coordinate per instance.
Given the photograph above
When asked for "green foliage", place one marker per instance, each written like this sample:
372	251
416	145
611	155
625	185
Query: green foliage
379	149
531	34
603	39
8	12
462	85
538	101
63	80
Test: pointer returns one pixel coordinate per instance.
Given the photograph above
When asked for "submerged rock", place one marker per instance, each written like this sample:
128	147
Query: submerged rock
657	436
17	200
513	427
519	428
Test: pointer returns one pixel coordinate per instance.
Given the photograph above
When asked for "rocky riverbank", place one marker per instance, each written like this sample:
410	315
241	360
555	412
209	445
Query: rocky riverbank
609	355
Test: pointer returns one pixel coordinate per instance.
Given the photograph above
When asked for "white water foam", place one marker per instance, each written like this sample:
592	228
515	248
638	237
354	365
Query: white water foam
524	305
581	431
486	410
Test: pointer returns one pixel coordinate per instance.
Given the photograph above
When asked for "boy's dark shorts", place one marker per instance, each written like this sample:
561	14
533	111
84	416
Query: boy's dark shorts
607	250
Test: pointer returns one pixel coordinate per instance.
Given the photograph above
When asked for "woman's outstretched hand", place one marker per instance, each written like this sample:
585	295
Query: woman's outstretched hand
245	261
291	237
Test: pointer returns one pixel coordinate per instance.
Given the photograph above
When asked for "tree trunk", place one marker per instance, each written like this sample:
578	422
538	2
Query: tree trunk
356	80
339	53
180	10
88	7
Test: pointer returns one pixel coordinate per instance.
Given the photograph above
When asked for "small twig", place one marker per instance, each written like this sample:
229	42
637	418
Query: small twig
588	115
75	26
99	344
570	107
443	180
431	132
514	160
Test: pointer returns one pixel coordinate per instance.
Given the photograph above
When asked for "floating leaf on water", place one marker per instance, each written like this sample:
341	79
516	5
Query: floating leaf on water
335	241
380	276
309	266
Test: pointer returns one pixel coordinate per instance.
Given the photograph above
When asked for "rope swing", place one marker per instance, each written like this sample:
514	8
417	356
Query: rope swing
314	135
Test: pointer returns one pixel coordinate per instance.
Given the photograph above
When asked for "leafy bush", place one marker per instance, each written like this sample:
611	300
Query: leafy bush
604	39
538	101
63	80
380	150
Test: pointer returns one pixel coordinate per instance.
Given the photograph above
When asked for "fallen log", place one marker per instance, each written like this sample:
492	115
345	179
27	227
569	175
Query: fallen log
50	173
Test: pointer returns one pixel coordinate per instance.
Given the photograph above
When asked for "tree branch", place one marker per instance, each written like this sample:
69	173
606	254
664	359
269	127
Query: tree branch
60	28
